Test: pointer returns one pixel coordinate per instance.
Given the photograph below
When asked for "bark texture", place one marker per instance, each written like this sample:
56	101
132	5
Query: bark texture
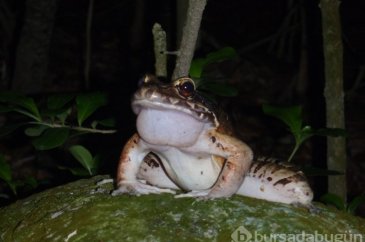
32	52
189	37
334	95
159	40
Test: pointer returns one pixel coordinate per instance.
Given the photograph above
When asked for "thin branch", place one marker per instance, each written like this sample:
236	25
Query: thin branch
159	43
76	128
189	37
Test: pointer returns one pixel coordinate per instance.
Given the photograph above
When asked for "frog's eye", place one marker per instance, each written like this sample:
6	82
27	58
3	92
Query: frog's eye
186	87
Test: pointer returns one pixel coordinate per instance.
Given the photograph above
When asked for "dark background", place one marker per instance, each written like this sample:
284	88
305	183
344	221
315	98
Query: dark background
281	63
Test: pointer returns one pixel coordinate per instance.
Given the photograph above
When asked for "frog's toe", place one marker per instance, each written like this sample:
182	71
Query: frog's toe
104	181
139	188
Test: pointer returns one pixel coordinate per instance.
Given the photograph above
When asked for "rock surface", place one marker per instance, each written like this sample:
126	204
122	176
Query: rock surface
84	211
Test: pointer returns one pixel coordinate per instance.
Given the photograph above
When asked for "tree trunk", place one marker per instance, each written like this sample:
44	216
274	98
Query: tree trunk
32	52
334	95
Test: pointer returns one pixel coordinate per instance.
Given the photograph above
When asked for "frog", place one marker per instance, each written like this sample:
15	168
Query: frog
185	142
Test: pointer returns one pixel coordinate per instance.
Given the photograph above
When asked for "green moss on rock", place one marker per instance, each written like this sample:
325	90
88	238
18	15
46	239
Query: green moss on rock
83	211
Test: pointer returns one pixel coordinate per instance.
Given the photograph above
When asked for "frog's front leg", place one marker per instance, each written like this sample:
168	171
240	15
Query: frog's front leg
130	160
238	157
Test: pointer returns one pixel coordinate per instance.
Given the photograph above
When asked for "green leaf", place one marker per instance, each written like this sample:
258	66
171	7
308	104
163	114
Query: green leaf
83	156
32	182
22	101
110	122
51	138
87	104
334	200
5	171
59	101
105	122
63	116
226	53
94	124
220	89
14	185
96	164
35	131
355	203
54	112
196	67
291	116
26	113
55	115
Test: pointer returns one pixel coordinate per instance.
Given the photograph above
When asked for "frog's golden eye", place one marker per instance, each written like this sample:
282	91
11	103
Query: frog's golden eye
186	87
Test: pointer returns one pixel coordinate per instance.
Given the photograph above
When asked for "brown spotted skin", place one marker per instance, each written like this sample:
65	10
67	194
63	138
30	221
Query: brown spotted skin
284	173
216	158
233	156
282	177
152	88
152	161
125	159
234	168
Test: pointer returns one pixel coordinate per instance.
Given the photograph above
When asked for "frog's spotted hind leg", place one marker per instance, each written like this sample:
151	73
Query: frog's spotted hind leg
276	182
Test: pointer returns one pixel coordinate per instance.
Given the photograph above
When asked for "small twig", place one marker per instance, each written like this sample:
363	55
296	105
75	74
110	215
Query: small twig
77	128
159	42
189	37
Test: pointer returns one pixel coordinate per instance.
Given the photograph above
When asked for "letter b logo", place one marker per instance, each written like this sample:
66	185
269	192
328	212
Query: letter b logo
241	234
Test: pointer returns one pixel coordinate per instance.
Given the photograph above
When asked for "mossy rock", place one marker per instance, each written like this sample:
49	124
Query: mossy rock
83	211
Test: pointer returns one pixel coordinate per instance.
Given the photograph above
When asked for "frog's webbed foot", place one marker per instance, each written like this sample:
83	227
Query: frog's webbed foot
139	188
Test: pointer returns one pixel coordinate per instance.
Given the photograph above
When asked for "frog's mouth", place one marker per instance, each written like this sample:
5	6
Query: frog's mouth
154	100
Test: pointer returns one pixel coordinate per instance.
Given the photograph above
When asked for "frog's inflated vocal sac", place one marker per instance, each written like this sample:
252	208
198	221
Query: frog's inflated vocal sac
184	142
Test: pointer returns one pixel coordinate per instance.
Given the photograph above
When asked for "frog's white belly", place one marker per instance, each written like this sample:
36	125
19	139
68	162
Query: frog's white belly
189	171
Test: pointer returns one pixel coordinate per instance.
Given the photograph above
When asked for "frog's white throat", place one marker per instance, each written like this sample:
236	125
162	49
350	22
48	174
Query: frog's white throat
169	127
